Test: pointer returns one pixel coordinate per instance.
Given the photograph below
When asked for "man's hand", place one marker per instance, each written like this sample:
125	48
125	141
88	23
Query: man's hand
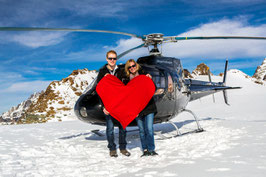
106	74
105	111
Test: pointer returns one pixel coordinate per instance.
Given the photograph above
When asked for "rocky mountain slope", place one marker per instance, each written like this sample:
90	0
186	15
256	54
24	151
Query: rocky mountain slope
260	73
202	69
53	104
19	111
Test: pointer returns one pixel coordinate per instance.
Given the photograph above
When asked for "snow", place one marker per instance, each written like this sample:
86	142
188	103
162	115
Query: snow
233	143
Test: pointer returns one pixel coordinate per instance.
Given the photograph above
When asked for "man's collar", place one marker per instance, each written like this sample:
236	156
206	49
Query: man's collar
110	67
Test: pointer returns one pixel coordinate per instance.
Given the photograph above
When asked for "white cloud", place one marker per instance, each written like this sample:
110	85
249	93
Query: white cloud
27	87
39	39
6	76
221	48
214	49
107	8
126	44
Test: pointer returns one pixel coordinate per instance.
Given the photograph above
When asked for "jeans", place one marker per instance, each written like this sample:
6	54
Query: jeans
110	134
146	133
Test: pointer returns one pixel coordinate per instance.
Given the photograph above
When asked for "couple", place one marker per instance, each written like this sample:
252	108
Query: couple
145	117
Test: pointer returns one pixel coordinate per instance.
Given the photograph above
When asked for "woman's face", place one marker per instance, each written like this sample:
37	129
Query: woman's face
132	67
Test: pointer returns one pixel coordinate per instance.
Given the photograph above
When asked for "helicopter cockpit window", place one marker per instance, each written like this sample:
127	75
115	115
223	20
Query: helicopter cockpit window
170	83
159	80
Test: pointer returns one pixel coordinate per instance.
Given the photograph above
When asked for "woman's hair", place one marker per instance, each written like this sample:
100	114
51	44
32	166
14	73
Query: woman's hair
127	65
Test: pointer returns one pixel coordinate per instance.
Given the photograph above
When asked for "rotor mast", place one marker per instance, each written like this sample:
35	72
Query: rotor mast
154	39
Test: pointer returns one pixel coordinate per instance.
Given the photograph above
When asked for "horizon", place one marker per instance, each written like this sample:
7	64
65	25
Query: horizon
31	60
215	74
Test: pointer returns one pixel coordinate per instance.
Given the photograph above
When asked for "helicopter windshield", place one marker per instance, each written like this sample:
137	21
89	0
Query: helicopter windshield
92	84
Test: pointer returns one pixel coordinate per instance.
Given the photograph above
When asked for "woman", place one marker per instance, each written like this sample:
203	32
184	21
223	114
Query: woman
146	116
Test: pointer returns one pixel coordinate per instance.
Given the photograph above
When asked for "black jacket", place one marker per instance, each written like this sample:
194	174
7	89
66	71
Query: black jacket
151	106
104	70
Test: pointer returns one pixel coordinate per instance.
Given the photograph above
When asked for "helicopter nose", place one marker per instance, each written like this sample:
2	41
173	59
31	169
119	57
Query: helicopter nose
88	108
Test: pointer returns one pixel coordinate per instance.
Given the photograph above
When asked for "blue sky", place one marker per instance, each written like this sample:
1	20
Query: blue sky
31	60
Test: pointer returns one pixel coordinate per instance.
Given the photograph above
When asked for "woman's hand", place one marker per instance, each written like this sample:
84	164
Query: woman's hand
148	75
105	111
106	74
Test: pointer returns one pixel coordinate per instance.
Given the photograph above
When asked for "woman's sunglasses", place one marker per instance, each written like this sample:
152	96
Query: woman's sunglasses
132	66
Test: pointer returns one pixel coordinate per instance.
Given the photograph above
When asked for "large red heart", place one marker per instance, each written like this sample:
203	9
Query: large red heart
125	102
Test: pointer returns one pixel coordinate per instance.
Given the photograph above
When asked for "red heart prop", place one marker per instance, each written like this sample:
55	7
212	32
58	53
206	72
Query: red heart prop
125	102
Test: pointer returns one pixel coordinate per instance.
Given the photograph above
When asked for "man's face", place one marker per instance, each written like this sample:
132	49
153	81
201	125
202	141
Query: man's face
111	59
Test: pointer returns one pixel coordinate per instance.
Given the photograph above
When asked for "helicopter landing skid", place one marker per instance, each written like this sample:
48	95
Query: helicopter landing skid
97	132
196	119
159	133
178	133
163	137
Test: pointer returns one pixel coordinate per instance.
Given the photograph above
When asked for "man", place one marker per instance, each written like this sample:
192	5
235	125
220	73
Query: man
113	69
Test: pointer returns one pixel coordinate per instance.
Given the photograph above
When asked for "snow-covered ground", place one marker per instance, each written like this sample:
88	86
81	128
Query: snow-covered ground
233	143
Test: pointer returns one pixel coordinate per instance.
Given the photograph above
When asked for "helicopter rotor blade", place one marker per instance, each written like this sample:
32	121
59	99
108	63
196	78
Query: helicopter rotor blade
66	29
176	38
130	50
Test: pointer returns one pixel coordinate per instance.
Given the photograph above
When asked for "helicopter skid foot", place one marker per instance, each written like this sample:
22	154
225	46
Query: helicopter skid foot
196	119
199	130
97	132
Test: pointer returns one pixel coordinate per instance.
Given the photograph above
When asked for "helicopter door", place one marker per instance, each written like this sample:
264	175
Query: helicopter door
164	95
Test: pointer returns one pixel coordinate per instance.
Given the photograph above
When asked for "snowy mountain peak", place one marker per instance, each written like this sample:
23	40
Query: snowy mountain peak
260	73
14	113
239	73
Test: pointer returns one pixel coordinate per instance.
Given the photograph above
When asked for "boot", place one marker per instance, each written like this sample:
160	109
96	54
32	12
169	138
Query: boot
145	153
125	152
152	153
113	153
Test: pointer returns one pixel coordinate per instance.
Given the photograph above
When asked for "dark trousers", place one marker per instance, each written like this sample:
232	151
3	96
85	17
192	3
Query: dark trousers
110	134
146	132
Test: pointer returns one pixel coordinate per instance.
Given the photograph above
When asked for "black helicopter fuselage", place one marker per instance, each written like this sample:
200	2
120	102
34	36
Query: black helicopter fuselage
171	96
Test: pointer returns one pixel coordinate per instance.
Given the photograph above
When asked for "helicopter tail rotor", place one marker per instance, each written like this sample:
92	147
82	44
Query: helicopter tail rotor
224	82
225	71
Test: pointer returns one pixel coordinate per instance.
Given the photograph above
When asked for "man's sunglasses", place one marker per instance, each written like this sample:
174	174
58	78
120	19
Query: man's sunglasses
112	58
132	66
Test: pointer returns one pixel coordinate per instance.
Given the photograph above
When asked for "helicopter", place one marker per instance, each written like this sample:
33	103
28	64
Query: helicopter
174	91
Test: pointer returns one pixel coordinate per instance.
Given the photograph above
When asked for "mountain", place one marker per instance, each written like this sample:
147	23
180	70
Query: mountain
56	103
187	74
19	111
260	73
202	69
